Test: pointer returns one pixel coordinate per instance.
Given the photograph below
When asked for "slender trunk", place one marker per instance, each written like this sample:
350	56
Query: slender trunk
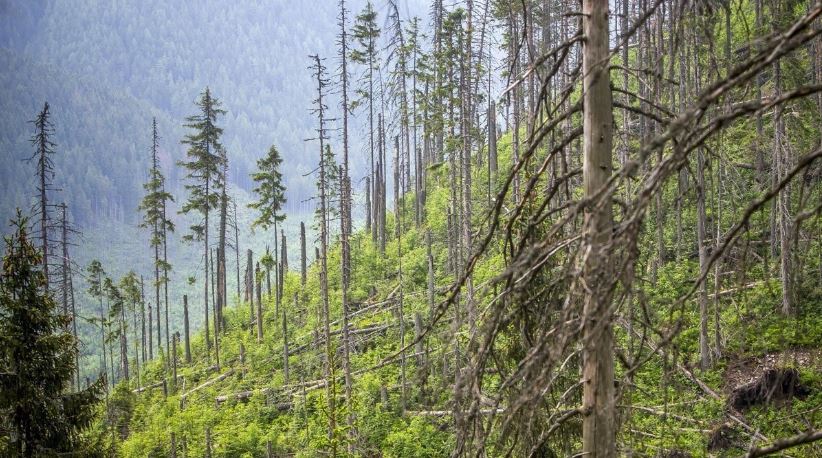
221	244
303	260
249	288
186	329
123	343
103	342
430	259
175	339
165	269
259	305
704	353
143	319
205	280
345	229
329	363
285	340
157	293
150	332
237	248
74	329
782	160
598	424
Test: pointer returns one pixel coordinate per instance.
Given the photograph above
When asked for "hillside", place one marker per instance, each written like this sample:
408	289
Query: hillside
532	228
247	407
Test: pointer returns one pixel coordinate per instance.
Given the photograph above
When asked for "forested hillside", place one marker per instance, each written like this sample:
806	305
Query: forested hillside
470	228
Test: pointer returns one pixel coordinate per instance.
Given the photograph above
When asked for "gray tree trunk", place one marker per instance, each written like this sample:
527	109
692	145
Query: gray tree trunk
598	425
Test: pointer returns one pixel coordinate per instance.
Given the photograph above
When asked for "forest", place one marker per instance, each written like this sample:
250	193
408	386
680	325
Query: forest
385	228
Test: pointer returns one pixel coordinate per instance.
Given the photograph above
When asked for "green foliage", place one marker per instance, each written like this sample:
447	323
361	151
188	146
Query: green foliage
205	160
39	414
270	189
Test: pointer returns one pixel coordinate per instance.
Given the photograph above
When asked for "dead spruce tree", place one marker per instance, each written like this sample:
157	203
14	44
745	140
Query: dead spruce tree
323	183
44	150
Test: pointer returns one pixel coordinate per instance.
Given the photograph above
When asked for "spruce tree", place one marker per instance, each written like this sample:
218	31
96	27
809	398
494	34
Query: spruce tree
117	313
366	34
154	218
270	192
94	277
38	414
204	175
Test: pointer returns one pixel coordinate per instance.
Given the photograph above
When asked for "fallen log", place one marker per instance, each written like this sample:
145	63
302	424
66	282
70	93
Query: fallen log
245	395
152	386
782	444
205	384
321	339
445	413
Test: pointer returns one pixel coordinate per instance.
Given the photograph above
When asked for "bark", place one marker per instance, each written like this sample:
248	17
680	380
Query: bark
143	318
157	297
150	336
704	353
492	138
259	306
285	340
123	344
165	271
186	329
237	247
216	313
221	244
783	202
345	229
598	425
430	257
249	288
323	253
303	260
174	341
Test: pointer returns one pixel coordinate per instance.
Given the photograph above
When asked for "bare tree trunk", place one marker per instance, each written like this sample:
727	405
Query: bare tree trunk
598	425
216	312
249	288
165	272
303	260
205	279
492	138
221	244
430	257
150	337
186	329
704	352
783	164
237	248
285	340
259	305
268	275
175	339
328	371
157	298
123	343
345	229
143	319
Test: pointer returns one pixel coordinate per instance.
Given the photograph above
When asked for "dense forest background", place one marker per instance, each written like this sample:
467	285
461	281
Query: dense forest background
107	68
